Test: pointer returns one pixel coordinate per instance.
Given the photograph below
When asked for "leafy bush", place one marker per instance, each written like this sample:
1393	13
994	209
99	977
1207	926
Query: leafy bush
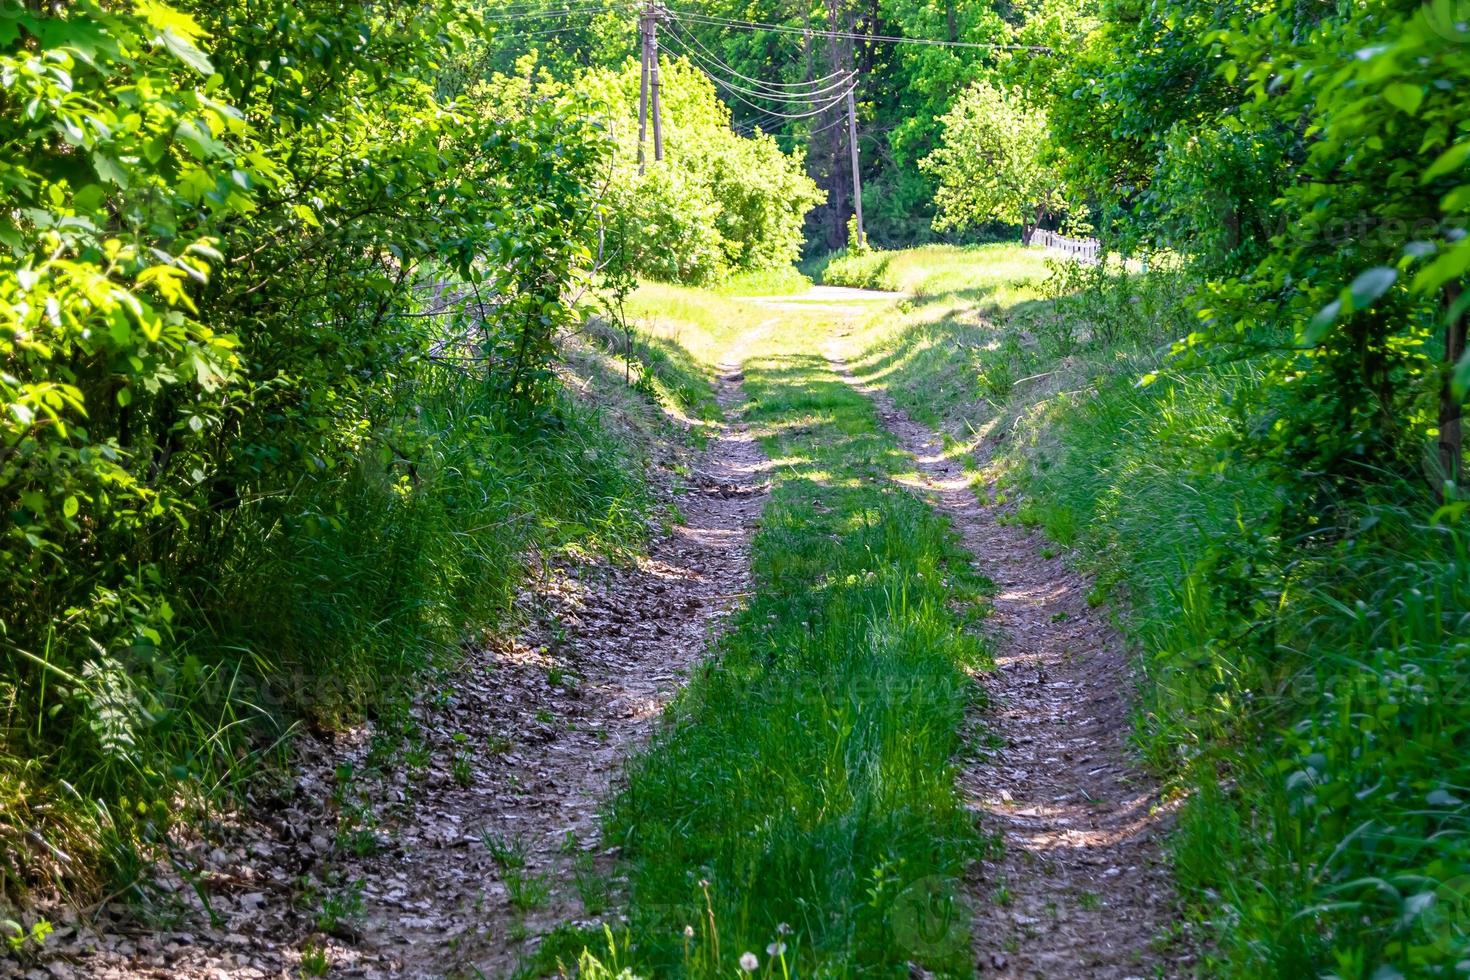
1311	164
1307	691
276	337
719	203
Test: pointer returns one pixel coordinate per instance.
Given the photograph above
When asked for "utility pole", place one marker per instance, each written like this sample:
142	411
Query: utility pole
658	129
857	180
648	21
643	25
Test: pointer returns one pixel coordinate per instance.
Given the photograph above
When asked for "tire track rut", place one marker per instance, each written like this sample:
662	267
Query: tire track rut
1082	888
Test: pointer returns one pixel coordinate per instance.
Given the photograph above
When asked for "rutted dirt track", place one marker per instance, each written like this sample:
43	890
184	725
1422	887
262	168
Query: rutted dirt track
633	635
1081	889
541	723
522	743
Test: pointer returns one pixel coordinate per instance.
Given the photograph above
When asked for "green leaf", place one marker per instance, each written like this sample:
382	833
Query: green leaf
183	49
1319	325
1450	264
307	215
1372	284
109	170
1460	379
1456	200
1404	97
1451	159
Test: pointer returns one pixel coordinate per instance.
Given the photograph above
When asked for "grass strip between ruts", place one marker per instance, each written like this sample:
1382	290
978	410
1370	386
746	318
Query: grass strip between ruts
804	777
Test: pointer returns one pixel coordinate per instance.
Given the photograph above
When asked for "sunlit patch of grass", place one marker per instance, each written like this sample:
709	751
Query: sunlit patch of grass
1001	274
701	323
765	282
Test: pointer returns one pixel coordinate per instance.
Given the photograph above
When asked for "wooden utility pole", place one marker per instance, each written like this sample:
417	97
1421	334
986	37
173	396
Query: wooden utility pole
643	25
857	180
648	43
655	15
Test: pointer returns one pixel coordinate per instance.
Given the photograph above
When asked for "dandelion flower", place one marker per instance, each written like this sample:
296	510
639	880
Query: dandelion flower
776	949
689	932
748	962
783	930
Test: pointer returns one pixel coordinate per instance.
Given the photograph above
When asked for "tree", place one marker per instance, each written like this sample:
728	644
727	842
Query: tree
990	163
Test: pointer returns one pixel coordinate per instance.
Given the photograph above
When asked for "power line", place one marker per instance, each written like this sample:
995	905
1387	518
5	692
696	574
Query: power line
517	35
687	36
789	96
789	115
750	25
786	97
541	5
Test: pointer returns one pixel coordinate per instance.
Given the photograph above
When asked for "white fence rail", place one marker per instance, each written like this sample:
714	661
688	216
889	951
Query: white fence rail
1084	250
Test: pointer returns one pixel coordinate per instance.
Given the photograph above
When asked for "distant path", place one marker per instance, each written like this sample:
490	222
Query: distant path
842	300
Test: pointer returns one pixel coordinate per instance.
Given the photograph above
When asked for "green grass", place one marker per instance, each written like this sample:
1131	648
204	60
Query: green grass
1303	695
765	282
803	778
699	322
318	607
999	274
656	366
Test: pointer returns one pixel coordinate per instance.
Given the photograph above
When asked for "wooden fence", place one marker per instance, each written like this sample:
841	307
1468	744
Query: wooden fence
1084	250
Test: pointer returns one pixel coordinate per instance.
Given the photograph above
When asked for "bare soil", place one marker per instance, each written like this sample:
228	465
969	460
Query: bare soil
1081	887
520	744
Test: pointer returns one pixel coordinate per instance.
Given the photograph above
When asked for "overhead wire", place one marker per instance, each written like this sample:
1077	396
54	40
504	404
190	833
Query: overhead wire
690	36
788	97
531	6
789	115
820	94
508	35
751	25
784	97
829	91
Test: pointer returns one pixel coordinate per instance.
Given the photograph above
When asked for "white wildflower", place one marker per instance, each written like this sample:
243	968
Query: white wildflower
748	962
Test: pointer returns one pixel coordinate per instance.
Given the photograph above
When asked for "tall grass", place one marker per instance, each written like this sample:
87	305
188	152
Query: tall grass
1304	695
801	791
315	608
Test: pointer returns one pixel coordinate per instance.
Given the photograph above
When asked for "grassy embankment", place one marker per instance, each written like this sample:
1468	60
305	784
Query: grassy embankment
803	778
1310	702
317	609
